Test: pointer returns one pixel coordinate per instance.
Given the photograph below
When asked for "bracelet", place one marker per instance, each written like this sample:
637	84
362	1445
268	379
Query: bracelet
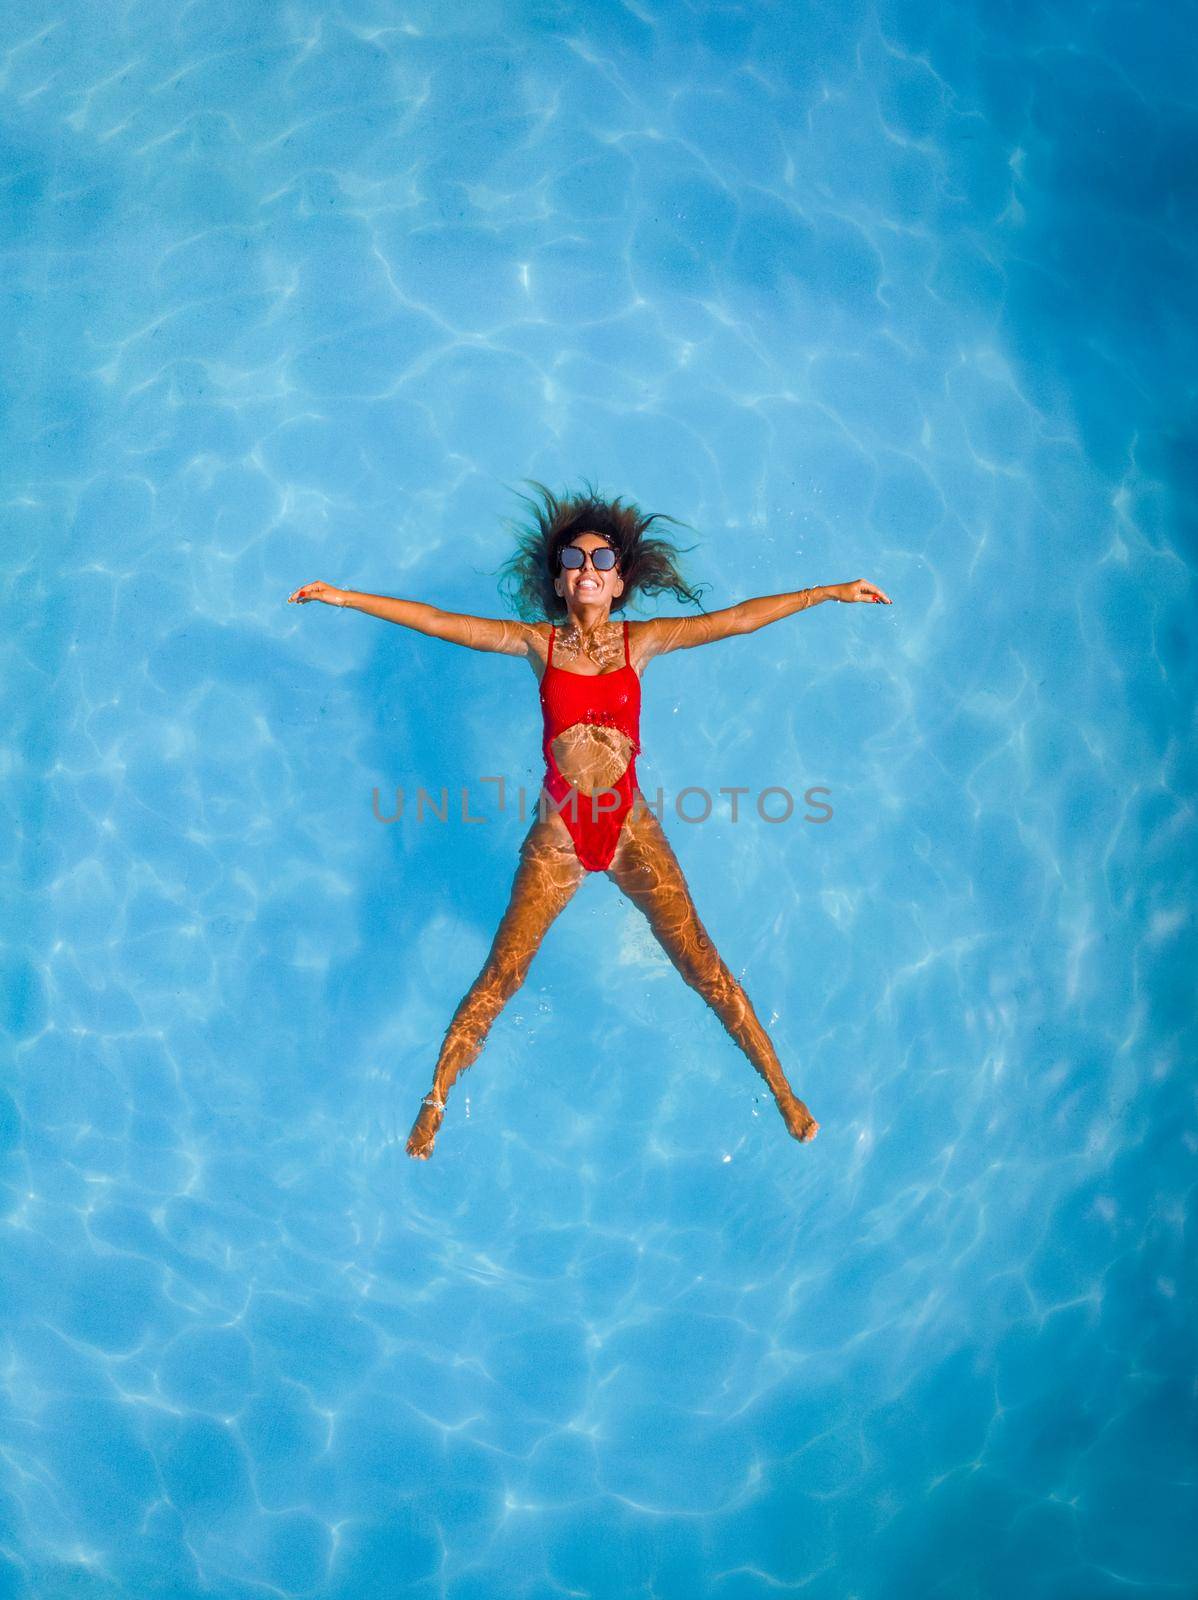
431	1099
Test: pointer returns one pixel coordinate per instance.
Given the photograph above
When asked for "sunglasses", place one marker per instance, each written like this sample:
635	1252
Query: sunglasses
571	557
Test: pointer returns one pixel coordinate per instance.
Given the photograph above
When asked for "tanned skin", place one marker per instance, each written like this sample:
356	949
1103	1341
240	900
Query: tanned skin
592	757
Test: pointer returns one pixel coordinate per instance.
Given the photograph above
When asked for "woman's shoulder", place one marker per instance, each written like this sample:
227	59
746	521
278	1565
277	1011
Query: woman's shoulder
536	645
645	638
644	641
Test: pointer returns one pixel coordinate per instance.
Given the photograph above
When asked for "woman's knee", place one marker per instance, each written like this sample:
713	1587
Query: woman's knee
502	975
509	969
697	961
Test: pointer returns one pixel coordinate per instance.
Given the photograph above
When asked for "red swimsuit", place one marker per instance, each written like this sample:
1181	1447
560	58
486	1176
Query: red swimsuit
611	698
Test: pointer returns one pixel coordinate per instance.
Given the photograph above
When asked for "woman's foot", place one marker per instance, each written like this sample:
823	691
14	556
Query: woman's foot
799	1121
425	1127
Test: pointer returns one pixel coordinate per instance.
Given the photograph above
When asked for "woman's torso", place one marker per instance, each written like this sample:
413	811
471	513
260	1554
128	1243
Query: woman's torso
592	717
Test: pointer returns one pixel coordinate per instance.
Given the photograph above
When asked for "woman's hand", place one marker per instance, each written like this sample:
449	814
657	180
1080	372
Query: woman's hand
860	590
318	591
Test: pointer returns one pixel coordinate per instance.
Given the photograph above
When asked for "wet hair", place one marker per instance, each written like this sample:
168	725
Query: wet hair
647	563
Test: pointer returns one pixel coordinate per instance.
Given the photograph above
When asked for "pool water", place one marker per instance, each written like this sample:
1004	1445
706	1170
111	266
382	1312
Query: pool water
890	293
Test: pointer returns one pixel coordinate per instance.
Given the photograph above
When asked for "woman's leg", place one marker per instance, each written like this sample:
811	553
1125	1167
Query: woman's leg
548	874
646	869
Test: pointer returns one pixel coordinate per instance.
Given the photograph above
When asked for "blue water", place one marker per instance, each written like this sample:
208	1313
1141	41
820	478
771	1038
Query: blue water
894	293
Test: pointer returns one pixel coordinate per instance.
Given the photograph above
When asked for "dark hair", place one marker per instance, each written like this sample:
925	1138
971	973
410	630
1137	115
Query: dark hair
645	563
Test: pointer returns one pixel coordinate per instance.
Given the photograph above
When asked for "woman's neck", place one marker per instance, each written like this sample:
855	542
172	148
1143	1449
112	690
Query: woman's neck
585	627
598	643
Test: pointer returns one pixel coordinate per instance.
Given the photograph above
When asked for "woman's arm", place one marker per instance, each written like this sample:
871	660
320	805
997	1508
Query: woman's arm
476	633
684	633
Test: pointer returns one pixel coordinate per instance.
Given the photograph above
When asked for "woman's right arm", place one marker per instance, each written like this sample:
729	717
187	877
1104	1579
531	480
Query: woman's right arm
476	633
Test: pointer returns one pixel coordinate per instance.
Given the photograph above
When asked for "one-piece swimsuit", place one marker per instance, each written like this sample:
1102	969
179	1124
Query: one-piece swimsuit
612	699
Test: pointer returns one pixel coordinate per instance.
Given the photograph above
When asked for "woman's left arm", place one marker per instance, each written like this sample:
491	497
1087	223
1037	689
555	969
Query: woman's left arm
754	614
684	633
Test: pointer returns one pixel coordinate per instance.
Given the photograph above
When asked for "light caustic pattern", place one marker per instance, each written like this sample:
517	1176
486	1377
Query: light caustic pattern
299	292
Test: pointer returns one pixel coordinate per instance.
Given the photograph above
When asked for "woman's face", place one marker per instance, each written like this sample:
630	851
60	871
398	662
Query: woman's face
584	586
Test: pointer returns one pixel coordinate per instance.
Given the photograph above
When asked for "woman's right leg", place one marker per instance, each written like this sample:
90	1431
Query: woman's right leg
548	874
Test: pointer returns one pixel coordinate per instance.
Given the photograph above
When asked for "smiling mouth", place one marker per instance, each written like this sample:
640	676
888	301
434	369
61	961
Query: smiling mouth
589	583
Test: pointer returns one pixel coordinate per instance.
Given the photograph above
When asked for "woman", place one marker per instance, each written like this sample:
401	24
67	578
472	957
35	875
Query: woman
577	561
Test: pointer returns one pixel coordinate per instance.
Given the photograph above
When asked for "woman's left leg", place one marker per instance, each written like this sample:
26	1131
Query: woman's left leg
646	869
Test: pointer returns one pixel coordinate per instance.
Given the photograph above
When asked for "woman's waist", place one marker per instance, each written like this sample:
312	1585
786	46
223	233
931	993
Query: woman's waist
589	777
591	730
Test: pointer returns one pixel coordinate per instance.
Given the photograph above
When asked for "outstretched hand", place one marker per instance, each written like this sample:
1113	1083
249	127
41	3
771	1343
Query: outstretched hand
317	591
860	590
